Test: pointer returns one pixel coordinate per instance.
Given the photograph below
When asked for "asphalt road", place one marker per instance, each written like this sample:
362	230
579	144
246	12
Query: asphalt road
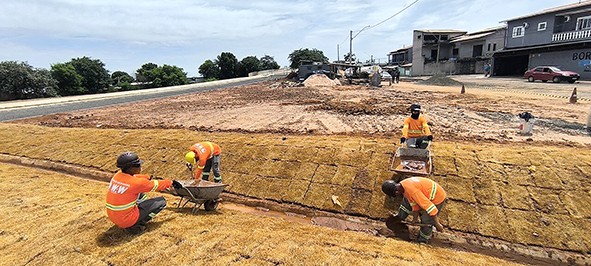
31	108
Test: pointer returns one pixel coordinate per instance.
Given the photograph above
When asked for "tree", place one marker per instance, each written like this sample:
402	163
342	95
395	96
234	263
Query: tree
268	62
209	70
120	77
144	74
247	65
95	78
166	75
69	82
306	55
350	57
227	63
22	81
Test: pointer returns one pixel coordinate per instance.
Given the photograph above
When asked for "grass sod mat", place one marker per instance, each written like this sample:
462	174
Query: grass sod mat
51	219
522	194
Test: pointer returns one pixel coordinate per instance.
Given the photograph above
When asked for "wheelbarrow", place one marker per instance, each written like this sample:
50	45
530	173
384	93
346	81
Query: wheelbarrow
200	192
412	161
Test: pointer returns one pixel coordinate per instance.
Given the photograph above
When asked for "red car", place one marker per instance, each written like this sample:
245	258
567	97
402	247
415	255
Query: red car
545	73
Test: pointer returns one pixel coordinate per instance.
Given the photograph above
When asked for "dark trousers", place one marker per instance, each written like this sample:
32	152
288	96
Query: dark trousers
215	162
426	231
148	209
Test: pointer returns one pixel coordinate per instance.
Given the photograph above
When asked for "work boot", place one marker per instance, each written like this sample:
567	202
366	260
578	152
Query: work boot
217	179
136	230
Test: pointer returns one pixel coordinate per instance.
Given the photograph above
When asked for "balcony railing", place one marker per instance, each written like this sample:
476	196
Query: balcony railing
571	36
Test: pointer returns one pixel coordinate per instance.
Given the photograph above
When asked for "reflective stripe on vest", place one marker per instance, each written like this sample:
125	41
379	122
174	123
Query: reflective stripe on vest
155	186
433	191
211	148
120	207
416	131
430	209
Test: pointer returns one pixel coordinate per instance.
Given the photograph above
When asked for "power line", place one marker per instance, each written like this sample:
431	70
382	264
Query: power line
411	4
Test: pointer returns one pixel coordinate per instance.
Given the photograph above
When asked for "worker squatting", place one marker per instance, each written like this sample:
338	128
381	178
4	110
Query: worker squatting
129	208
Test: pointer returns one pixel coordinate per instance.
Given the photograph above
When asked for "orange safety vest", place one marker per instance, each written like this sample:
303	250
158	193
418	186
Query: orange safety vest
123	193
423	193
204	151
414	128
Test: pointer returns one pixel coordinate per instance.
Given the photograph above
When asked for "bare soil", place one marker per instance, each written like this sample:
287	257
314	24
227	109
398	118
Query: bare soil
487	112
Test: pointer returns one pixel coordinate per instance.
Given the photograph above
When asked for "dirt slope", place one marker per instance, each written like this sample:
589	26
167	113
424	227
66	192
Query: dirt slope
522	194
52	219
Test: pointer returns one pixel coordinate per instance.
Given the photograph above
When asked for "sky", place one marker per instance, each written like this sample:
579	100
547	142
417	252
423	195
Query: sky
126	34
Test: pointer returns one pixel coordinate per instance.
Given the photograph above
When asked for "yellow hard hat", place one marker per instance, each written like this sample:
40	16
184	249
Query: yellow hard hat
190	157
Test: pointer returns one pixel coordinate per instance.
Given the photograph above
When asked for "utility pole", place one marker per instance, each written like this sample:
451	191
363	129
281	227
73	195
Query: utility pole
338	56
350	45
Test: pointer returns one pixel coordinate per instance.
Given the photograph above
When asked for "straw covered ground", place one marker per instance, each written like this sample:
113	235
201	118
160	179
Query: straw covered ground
523	194
53	219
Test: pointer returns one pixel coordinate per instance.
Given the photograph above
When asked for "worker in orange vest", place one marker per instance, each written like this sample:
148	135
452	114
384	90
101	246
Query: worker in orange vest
421	196
416	132
127	205
205	155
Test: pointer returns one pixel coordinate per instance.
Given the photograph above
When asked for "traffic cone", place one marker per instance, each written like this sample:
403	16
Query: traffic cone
463	89
573	96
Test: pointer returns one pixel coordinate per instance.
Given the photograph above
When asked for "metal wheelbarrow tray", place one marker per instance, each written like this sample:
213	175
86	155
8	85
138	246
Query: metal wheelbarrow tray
412	161
200	192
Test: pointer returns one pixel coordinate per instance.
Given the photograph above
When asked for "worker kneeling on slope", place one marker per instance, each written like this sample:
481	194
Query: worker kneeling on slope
416	132
421	196
127	205
205	155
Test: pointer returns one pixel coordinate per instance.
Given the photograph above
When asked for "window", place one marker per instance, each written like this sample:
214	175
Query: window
494	46
584	23
477	50
488	47
542	26
518	32
455	52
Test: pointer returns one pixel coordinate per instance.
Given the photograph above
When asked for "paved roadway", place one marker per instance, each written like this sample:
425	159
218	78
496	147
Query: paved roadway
13	110
520	85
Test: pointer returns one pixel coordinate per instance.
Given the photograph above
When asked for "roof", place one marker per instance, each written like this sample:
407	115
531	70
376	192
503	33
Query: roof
552	10
443	31
464	38
401	50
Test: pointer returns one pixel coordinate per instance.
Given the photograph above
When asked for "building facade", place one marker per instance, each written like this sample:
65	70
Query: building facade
559	36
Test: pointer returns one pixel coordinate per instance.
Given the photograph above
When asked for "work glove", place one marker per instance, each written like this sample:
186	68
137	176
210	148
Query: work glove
176	184
430	138
153	177
402	140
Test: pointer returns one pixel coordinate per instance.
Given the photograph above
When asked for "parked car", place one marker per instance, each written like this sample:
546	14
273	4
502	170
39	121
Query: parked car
545	73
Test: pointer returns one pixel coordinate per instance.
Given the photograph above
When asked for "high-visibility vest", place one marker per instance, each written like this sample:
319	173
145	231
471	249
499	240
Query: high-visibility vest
203	152
123	193
423	193
414	128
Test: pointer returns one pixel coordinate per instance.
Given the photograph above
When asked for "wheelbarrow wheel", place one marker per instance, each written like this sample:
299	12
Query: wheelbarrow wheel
210	205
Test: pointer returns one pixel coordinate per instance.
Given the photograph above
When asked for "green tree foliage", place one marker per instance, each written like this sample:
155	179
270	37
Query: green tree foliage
350	57
306	55
95	78
155	76
209	70
145	73
19	80
247	65
268	62
120	77
227	63
69	82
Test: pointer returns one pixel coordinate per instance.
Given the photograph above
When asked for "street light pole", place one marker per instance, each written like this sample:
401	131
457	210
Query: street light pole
351	37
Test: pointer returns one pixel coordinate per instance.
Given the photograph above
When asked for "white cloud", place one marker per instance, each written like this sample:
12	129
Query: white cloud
125	34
